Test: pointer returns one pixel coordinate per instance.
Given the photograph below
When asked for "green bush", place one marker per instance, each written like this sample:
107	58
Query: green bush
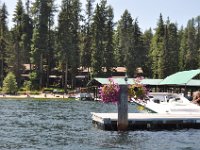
53	90
21	92
27	85
34	92
10	84
33	81
48	90
29	92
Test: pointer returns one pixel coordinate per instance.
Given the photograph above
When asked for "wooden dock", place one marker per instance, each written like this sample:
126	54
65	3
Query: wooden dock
147	121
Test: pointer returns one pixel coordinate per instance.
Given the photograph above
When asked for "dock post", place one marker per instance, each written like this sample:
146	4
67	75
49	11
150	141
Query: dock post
122	123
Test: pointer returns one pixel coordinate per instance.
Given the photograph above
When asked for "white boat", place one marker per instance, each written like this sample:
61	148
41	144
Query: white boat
170	103
83	96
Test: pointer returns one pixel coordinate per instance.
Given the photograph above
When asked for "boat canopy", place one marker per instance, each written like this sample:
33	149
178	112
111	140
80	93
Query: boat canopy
180	78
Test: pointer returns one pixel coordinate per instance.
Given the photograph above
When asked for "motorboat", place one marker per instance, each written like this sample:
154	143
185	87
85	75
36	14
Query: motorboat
168	103
83	97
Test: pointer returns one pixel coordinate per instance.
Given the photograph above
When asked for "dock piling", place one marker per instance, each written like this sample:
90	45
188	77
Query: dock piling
122	123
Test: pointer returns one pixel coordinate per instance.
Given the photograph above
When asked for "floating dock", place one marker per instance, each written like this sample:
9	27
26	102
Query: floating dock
147	121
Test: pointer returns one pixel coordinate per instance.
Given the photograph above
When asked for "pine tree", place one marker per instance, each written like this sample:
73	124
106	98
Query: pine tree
16	55
98	27
197	39
182	48
147	38
191	51
68	37
126	42
103	48
172	53
87	36
138	48
157	50
64	40
116	47
10	84
49	53
43	13
25	44
109	47
3	40
75	51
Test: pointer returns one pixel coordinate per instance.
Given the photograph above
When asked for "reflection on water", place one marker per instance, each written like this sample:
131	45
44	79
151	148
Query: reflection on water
57	124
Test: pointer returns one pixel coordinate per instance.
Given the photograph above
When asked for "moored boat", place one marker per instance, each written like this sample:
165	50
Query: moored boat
171	103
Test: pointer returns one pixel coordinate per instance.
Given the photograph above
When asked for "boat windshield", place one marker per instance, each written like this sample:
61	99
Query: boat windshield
164	97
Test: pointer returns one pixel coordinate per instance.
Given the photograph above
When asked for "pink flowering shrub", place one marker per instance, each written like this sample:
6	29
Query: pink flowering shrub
110	92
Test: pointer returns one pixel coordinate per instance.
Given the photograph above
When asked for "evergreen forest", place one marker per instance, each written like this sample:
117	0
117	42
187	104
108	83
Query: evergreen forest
86	37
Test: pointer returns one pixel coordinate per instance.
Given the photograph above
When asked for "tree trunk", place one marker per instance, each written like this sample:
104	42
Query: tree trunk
48	70
18	77
49	49
66	75
41	71
2	70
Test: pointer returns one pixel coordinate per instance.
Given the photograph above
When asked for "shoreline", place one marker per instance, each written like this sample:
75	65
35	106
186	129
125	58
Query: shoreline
40	96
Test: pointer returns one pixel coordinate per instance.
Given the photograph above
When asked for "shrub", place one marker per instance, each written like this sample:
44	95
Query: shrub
34	92
110	92
33	77
137	90
27	85
47	90
10	84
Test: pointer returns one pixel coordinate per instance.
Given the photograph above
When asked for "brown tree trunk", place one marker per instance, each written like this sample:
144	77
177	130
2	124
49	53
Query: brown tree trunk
66	76
2	70
41	71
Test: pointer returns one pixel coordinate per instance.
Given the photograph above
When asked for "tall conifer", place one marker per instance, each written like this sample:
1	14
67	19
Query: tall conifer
191	51
87	36
126	42
147	37
3	41
16	55
157	50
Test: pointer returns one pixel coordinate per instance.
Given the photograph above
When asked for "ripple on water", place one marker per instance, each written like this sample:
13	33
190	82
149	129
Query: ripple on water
57	124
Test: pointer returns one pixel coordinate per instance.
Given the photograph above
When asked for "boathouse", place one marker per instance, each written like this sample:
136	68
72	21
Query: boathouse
110	121
95	83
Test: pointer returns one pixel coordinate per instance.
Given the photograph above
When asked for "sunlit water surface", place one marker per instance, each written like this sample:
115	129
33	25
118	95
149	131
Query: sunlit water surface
67	125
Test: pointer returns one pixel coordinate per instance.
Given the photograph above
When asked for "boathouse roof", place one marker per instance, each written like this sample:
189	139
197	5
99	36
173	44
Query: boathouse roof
181	78
121	81
151	82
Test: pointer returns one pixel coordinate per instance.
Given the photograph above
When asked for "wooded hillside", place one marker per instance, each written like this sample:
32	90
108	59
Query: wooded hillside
89	38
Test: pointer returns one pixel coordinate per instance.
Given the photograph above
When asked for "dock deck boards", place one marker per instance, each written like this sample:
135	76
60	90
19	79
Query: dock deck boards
147	121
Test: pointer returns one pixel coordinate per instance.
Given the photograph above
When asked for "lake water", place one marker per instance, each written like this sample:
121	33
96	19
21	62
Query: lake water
67	125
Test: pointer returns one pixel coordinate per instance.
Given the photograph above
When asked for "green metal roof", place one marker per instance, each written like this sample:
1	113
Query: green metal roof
180	78
193	83
151	81
121	81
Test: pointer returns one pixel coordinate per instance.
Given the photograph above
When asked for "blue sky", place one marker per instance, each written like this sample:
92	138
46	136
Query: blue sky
147	11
